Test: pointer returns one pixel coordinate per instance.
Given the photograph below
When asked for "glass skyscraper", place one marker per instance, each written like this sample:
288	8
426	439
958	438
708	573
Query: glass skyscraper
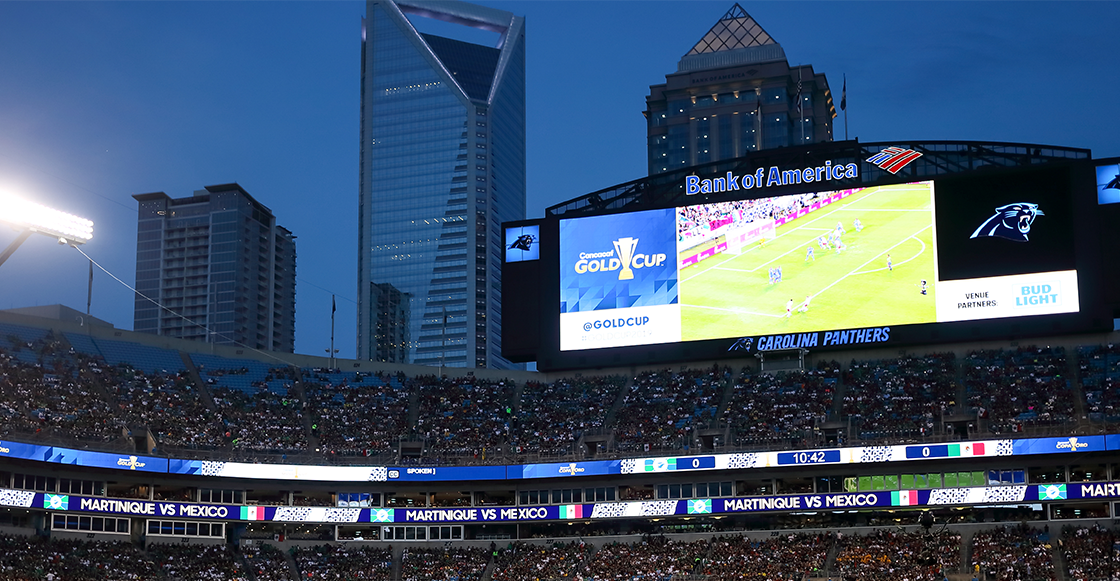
733	93
442	166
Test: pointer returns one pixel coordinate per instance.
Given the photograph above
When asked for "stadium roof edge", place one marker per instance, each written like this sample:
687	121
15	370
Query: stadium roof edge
939	158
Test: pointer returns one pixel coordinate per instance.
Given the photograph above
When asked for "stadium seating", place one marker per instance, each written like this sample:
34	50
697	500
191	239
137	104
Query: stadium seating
267	563
902	398
551	417
462	563
1013	553
202	562
1100	379
791	556
357	414
526	562
658	558
781	409
1026	386
99	389
464	416
342	563
890	555
1090	553
663	407
27	558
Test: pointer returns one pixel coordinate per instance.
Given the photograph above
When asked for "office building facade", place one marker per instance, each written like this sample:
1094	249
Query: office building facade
733	93
442	166
222	267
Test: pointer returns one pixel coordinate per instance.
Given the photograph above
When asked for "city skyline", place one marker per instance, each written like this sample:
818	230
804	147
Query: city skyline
108	100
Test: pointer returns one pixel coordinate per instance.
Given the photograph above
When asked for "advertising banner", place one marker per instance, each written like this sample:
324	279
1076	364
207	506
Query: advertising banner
618	280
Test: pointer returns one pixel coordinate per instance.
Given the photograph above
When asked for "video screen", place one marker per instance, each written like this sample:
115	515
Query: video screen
1108	184
879	256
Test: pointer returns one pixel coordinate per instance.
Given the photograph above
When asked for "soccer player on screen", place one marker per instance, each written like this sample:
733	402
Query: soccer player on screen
809	255
890	266
857	224
789	309
924	286
804	307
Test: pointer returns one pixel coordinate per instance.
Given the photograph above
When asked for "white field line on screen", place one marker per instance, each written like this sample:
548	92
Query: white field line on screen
804	226
869	261
920	252
810	242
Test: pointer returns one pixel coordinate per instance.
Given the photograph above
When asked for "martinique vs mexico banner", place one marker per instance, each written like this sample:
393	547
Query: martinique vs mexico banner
618	280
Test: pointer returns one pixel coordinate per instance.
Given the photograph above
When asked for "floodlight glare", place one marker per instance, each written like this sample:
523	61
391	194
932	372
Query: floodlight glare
26	215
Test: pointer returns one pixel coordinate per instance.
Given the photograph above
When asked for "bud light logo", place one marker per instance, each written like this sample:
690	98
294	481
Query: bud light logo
618	323
1035	295
623	258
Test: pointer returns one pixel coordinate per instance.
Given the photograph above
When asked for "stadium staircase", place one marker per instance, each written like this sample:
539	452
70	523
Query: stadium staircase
290	560
246	567
301	394
1061	570
829	561
1073	373
488	572
203	388
397	555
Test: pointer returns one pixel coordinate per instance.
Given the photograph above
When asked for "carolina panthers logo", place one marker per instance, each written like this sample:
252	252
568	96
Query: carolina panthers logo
1012	222
743	344
1114	184
523	242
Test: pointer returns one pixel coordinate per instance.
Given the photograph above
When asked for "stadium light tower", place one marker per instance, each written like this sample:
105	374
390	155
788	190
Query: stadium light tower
29	217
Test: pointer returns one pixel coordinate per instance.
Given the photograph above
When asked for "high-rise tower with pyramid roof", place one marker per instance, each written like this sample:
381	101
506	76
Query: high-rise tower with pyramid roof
442	166
733	93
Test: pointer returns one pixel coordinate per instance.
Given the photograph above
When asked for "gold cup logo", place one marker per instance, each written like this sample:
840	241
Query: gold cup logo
625	249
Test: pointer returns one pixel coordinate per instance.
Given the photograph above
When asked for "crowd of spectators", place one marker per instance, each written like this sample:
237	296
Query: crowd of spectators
789	556
356	413
1100	379
662	408
551	417
1013	388
900	398
345	562
168	404
38	559
655	558
462	563
266	562
1091	553
197	562
1014	553
887	555
263	421
464	415
55	395
696	221
49	390
766	409
528	562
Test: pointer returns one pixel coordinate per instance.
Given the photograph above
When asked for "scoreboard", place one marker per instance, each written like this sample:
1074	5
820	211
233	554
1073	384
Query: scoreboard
967	256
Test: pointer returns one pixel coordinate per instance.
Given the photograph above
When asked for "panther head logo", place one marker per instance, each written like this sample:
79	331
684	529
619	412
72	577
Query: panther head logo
523	242
1012	222
743	344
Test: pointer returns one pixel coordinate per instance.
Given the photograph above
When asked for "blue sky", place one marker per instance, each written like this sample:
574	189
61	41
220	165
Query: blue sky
103	100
